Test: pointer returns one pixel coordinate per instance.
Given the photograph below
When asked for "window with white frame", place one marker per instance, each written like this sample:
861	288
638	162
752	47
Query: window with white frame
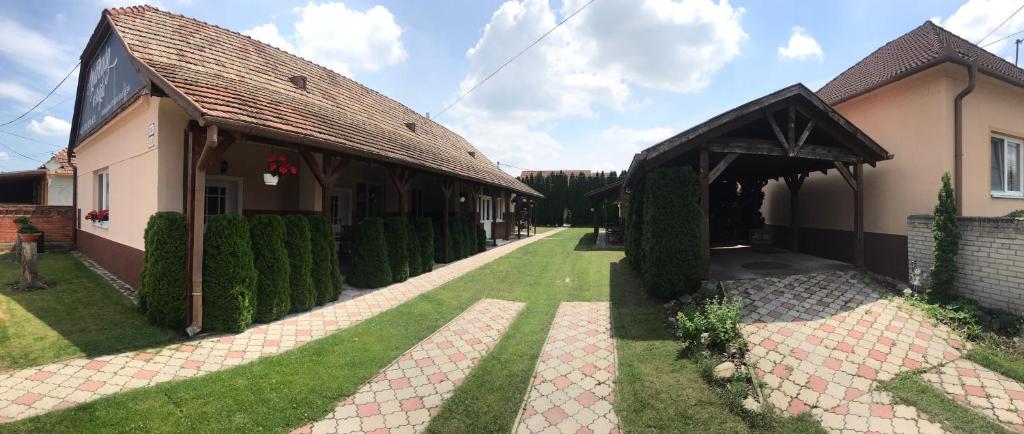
102	194
223	196
1006	166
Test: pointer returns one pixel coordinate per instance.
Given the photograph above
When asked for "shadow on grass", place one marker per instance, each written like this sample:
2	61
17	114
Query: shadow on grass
586	244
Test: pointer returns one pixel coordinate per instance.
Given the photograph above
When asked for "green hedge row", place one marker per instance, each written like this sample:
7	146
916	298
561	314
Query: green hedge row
273	290
326	270
229	275
300	261
391	250
163	293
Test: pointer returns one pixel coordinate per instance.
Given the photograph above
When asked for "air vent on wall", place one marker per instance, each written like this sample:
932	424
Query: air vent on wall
299	81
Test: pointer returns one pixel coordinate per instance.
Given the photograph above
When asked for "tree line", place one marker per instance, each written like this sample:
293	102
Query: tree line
564	201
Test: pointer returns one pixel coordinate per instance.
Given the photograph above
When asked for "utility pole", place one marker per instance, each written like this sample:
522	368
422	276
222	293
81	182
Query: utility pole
1016	57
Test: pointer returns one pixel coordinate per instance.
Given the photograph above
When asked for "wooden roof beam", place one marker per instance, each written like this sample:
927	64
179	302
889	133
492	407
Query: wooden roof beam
768	147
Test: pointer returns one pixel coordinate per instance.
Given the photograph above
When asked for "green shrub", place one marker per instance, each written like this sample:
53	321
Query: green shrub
711	326
455	236
634	229
439	256
229	275
370	267
163	295
273	294
672	232
423	228
946	231
300	262
1018	214
326	271
481	239
395	235
412	243
469	236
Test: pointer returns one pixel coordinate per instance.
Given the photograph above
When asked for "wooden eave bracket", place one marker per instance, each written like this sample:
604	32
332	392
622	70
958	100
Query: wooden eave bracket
847	175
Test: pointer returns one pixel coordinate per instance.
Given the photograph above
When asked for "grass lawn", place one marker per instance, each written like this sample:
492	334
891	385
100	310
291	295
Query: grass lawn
910	389
79	315
656	391
999	360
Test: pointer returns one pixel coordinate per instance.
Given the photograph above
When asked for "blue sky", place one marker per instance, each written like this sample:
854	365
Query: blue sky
618	77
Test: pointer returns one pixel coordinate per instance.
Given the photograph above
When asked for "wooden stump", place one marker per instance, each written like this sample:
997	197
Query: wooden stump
30	267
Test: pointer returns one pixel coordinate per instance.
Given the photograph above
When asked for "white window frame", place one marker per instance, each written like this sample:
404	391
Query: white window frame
1006	192
102	195
229	179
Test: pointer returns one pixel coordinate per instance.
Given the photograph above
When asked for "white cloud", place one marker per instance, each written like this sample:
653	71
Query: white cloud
49	126
591	62
976	18
340	38
629	141
4	156
801	46
18	93
34	52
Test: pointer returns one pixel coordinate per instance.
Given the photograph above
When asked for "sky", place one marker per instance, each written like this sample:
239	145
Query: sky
615	78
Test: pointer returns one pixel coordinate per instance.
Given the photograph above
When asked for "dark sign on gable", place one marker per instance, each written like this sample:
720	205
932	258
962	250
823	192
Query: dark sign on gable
111	80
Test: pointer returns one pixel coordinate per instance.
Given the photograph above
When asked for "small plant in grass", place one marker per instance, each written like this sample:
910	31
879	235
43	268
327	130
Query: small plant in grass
229	275
300	262
273	294
395	234
162	295
370	267
326	270
946	232
712	326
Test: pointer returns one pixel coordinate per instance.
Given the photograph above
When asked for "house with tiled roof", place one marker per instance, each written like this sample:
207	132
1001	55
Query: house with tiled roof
940	104
175	114
49	184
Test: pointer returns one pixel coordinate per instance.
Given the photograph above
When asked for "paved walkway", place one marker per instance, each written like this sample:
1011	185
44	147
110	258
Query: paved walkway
999	397
410	391
33	391
572	389
821	342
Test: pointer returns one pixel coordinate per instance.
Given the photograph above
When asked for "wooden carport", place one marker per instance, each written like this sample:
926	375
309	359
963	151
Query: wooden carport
787	135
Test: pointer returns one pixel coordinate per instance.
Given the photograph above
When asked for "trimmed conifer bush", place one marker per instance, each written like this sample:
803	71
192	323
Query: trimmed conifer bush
163	294
229	275
370	267
481	239
455	237
946	231
672	232
424	230
273	295
439	246
413	249
326	271
634	229
468	236
398	248
300	262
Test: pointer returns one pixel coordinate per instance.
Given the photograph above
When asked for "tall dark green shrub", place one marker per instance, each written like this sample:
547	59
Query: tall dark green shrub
946	231
398	248
300	262
229	275
424	230
455	235
412	243
163	294
439	245
326	271
273	295
481	239
370	267
469	236
634	229
672	232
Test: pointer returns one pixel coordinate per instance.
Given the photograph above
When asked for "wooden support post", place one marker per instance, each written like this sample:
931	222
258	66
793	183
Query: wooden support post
794	182
597	223
858	216
400	178
721	166
326	175
446	190
791	130
509	214
494	217
705	206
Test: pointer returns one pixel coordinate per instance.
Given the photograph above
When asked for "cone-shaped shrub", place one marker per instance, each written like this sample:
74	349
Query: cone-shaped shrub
672	232
326	271
481	239
300	262
413	248
273	297
455	235
634	229
229	276
946	231
439	245
468	236
424	230
370	267
398	248
164	279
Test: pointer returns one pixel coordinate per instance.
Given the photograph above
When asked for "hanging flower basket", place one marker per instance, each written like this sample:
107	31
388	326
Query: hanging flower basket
277	166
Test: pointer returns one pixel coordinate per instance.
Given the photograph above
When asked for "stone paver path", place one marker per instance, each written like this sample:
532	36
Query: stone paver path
32	391
406	394
989	392
821	341
573	388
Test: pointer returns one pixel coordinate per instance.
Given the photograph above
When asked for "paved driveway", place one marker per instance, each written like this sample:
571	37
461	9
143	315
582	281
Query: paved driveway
821	342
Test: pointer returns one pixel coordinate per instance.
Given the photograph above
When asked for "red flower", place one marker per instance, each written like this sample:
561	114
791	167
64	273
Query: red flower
283	170
273	166
294	170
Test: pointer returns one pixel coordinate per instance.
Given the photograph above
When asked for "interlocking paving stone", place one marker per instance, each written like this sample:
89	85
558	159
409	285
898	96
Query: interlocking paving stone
820	342
406	394
573	388
977	387
36	390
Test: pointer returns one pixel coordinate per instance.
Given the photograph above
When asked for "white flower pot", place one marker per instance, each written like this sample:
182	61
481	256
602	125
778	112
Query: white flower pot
270	179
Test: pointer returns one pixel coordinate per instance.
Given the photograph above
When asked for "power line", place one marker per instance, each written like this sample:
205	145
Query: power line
1003	38
20	154
513	58
30	139
44	98
43	111
1001	24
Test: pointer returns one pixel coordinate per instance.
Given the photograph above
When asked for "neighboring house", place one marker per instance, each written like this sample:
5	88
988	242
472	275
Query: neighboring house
940	104
174	114
50	184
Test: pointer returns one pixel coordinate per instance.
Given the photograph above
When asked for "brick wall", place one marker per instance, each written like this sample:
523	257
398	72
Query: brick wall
56	222
991	259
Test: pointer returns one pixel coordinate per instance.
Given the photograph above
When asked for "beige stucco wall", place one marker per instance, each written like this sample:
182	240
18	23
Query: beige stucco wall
993	107
59	190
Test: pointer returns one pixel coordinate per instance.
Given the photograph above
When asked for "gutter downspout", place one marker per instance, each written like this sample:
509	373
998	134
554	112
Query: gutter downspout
197	208
958	135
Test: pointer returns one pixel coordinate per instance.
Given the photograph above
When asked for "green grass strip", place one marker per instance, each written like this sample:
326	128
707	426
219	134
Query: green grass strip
999	360
909	388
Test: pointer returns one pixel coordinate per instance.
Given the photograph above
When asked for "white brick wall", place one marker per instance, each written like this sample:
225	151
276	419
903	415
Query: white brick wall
991	259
